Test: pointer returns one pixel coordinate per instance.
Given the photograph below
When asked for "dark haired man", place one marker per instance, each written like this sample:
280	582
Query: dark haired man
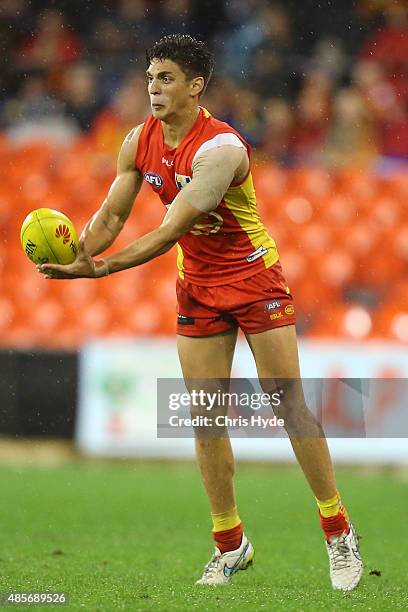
229	276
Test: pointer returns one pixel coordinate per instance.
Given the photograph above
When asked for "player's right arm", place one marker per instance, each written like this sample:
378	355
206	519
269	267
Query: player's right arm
105	225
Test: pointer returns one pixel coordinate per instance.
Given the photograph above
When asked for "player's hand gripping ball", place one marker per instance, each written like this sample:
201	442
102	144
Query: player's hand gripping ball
48	236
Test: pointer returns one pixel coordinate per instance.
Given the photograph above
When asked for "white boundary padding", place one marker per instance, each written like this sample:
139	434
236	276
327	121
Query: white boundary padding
117	398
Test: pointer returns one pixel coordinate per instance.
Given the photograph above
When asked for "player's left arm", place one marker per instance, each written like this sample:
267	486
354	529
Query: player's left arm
213	173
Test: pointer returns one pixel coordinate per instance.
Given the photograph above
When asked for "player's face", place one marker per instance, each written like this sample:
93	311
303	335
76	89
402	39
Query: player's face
169	89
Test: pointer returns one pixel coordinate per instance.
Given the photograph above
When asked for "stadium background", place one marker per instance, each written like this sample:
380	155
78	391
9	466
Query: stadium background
320	91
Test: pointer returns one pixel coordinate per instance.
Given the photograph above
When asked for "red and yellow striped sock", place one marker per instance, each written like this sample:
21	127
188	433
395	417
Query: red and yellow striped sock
334	519
227	530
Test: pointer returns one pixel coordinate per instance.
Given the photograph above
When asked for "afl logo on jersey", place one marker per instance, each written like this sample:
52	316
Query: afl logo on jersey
182	180
154	179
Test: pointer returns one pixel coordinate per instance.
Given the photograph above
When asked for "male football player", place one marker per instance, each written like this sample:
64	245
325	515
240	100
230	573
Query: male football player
229	276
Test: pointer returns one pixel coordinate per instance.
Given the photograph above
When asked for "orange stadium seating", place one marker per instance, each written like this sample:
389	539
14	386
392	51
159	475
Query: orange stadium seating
342	236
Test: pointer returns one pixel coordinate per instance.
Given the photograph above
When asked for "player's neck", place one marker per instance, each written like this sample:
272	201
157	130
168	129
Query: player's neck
179	126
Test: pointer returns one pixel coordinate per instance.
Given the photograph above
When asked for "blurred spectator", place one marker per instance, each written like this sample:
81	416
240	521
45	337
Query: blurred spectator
129	107
265	33
238	105
271	59
329	56
247	117
80	93
351	138
34	114
51	45
276	130
123	36
388	49
15	21
387	108
135	15
31	103
175	17
389	44
221	98
311	118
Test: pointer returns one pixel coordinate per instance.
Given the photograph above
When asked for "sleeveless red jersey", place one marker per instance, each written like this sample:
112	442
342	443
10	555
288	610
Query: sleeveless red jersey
227	244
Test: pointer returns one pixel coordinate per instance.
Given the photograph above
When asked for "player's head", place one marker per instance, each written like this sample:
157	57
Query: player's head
179	69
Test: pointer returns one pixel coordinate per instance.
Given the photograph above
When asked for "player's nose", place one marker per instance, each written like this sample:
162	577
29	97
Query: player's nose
154	87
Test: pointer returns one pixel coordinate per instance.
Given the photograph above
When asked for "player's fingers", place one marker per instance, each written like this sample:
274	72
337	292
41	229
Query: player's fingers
51	267
44	267
57	276
51	270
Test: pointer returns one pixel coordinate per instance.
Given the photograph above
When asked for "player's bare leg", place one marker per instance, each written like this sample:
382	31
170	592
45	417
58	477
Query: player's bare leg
208	360
276	356
211	358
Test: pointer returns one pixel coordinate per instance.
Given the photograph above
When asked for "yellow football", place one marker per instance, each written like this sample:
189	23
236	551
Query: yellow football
48	236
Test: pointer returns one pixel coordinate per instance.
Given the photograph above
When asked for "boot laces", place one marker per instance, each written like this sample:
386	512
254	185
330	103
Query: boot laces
340	553
213	565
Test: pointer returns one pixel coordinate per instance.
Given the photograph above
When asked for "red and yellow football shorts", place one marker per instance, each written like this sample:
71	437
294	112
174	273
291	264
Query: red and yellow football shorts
255	304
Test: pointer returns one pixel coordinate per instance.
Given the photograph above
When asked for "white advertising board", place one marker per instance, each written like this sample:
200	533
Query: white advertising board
117	413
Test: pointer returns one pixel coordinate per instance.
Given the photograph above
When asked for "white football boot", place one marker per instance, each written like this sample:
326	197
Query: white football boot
346	567
221	567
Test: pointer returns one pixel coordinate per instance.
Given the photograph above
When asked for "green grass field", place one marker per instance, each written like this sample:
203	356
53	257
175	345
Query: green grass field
135	537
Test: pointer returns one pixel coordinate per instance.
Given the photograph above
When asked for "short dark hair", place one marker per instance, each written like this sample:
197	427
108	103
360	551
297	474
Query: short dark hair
192	55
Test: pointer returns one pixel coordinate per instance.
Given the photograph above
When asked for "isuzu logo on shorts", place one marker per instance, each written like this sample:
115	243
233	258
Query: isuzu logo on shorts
153	179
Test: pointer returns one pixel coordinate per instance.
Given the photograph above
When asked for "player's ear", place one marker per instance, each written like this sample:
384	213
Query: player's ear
197	86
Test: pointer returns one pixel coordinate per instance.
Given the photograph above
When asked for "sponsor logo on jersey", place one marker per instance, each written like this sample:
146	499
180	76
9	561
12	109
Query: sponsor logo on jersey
276	315
256	254
289	309
168	163
153	179
182	180
183	320
272	305
209	224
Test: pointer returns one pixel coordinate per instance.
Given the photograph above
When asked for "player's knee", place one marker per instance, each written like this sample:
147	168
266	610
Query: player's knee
206	400
288	403
207	411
